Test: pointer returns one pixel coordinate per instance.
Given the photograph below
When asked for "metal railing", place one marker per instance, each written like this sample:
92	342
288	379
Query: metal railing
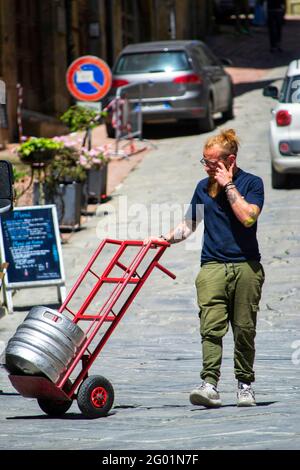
130	111
127	118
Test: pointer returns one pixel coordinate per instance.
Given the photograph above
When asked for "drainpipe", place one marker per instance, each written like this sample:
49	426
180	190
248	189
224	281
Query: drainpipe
69	32
109	7
172	18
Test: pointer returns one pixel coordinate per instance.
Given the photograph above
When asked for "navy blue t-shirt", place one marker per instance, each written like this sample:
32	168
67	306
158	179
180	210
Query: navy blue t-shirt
225	237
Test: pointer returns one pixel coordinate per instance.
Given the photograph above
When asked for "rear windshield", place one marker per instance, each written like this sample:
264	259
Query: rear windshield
151	62
290	92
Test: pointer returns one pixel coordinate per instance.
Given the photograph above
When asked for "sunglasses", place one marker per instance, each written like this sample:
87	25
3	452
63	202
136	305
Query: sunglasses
206	162
212	163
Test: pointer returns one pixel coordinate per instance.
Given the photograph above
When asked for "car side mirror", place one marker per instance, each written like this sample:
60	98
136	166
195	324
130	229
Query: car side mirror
271	91
226	61
6	187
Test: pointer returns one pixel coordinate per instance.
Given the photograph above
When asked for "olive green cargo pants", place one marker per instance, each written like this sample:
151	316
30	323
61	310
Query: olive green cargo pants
229	293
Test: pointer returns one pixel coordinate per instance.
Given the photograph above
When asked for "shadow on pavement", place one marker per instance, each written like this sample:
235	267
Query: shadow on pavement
79	416
253	50
293	182
67	416
245	87
167	130
163	130
25	308
233	405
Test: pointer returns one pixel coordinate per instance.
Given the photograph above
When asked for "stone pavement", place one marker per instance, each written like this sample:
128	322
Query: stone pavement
153	358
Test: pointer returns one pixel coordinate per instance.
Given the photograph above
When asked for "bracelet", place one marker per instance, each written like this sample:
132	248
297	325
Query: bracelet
229	186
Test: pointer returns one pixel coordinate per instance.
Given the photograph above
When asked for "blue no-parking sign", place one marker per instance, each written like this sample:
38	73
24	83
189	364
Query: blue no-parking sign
88	78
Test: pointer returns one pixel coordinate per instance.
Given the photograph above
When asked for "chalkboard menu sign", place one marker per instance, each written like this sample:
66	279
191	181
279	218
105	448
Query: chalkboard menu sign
30	243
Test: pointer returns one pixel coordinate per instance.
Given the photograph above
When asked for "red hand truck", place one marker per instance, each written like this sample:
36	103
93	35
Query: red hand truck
94	394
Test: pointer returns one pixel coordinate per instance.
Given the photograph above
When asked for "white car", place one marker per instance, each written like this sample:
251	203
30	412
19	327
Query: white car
285	127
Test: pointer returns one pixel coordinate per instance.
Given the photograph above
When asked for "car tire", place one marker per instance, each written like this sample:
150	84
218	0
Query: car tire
110	130
229	113
207	123
278	180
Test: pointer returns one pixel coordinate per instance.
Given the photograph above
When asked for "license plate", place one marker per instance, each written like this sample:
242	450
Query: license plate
154	106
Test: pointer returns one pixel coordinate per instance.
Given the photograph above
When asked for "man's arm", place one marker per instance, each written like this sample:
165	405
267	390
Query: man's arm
178	234
246	213
182	231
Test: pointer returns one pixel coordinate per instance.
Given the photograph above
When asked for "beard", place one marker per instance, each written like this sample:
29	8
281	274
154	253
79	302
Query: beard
214	188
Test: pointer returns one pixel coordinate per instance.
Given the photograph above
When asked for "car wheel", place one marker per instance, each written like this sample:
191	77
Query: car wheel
229	114
110	130
279	180
207	123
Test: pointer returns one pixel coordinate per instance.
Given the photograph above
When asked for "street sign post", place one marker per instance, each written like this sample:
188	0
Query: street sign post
95	106
88	78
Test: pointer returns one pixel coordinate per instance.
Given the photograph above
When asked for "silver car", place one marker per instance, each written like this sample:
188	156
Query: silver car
181	80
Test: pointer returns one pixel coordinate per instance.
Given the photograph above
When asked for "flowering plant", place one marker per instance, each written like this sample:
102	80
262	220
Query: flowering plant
65	167
61	159
85	159
94	158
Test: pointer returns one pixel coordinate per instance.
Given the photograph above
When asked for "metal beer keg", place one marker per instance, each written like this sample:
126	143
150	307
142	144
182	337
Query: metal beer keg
44	344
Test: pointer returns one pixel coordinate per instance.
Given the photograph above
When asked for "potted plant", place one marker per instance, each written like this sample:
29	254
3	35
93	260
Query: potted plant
83	118
79	118
38	151
95	162
61	183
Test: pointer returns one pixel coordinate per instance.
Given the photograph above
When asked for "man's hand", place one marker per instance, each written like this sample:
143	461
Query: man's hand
223	175
153	240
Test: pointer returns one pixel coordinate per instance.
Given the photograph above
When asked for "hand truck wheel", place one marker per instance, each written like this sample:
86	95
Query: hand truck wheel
56	408
95	396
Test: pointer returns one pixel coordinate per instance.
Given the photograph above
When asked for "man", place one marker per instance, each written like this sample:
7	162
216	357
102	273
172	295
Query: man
231	277
275	14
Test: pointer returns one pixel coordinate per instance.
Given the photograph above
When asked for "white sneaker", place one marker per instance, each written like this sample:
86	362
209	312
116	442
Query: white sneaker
245	395
206	395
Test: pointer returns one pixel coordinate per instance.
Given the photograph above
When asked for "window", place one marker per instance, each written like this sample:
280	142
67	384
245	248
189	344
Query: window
201	57
290	92
211	58
171	61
